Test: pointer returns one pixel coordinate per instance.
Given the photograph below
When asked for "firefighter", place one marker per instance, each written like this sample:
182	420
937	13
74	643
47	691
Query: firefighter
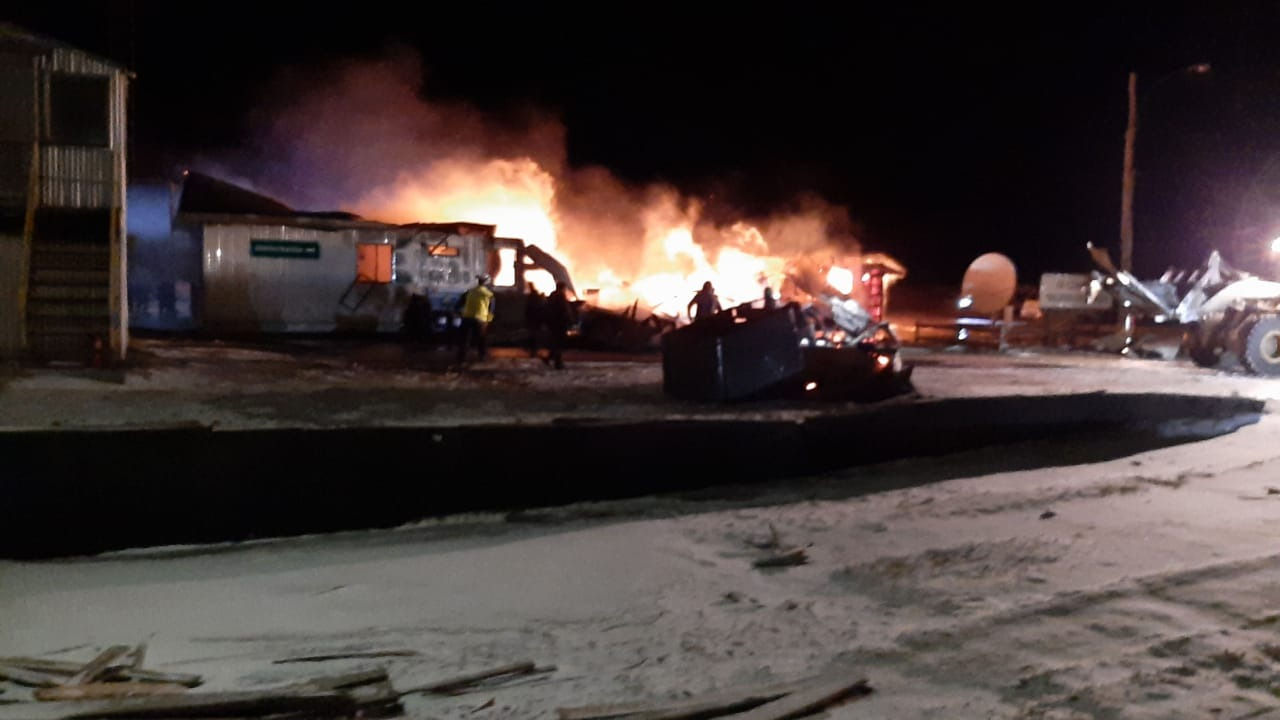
534	317
770	298
560	316
477	313
705	303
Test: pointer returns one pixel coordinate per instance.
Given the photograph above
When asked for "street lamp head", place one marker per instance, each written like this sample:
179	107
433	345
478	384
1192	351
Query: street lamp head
1199	68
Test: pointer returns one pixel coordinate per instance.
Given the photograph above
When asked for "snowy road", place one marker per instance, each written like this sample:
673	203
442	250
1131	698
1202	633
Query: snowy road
1145	586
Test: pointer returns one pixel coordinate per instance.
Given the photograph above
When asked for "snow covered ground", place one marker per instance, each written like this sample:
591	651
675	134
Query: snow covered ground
1146	586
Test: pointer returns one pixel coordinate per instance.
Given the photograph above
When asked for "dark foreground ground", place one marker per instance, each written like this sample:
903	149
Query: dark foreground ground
199	441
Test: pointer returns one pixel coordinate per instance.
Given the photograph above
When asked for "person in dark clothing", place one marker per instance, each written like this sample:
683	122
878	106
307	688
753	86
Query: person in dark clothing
534	317
705	303
560	316
417	324
770	299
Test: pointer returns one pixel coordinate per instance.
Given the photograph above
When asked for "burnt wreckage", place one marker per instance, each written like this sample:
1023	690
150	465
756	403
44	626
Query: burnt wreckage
746	353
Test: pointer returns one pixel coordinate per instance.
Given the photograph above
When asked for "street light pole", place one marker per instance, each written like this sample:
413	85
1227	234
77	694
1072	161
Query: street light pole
1130	138
1126	189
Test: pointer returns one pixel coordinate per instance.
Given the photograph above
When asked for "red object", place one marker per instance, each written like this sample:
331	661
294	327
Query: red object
874	286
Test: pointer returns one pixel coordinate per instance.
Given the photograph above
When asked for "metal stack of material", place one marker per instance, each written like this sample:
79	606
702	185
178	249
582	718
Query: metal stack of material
734	355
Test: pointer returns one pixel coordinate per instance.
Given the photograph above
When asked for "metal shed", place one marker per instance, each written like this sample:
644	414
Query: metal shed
211	256
62	205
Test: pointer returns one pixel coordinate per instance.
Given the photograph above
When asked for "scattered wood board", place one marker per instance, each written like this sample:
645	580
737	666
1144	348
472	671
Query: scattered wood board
707	705
140	675
93	669
104	690
796	556
792	700
61	667
66	668
30	678
460	682
345	655
821	694
189	705
346	681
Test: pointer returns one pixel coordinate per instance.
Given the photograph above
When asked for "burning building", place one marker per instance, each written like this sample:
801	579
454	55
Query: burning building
209	255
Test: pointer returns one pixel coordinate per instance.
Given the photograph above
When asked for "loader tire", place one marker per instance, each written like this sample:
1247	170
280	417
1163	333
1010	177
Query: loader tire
1262	346
1205	356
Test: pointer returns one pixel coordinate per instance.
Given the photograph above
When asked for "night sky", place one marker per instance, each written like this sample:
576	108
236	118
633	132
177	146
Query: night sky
946	129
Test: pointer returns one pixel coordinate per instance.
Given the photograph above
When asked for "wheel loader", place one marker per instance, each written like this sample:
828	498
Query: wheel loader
1231	318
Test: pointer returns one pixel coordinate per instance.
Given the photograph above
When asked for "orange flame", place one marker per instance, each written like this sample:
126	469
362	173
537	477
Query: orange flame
518	197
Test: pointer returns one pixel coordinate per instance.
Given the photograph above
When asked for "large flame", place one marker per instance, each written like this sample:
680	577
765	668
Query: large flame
519	198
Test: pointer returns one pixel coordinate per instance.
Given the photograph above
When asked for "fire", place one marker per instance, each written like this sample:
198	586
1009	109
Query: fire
515	195
519	198
840	279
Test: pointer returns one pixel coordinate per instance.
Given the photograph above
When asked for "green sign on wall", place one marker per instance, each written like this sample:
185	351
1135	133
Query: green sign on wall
285	249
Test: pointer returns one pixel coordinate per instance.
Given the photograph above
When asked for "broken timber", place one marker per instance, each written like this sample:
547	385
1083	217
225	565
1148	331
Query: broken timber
821	694
30	678
93	669
789	699
365	692
58	668
796	556
104	690
343	656
461	682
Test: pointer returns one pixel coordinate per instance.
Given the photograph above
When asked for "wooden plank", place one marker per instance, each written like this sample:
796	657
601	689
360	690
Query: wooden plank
30	678
60	667
188	705
138	656
64	667
345	681
155	676
345	655
461	681
733	700
95	667
821	694
102	690
794	556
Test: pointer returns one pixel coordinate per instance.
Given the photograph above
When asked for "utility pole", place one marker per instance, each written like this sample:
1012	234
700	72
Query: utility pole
1126	190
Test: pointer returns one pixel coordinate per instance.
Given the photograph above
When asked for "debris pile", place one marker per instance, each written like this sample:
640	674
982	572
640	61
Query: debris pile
115	685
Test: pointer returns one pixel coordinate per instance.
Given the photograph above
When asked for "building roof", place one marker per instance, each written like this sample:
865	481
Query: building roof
207	199
206	194
12	36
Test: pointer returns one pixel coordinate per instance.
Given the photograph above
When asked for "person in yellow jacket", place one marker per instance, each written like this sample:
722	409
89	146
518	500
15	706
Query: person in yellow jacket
477	313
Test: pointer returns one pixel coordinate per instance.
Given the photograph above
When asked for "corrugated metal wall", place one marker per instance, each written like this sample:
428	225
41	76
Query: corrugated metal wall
17	151
17	126
13	268
70	60
78	177
248	292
